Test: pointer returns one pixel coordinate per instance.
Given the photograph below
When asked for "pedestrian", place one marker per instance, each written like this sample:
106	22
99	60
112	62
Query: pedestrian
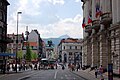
63	67
78	66
56	65
8	67
96	72
101	72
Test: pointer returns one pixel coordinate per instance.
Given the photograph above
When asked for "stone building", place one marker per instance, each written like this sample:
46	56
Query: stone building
3	33
49	48
11	47
102	34
3	25
70	50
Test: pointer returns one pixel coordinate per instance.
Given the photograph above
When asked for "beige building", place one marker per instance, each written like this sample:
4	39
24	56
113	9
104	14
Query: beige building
11	47
70	50
102	35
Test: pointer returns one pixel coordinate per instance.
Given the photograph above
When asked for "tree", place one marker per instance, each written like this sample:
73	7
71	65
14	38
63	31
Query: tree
34	55
20	54
28	53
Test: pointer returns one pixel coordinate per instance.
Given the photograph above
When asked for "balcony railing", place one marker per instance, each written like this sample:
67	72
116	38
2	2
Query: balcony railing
96	24
106	18
7	40
88	29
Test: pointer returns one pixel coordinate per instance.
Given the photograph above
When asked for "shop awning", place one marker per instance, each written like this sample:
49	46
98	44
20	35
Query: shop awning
7	54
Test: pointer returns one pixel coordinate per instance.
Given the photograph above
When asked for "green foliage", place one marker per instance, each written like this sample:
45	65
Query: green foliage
34	56
20	54
28	53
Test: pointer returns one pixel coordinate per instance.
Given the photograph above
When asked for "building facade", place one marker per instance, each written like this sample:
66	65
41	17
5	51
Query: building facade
35	42
49	48
11	47
101	32
3	25
70	50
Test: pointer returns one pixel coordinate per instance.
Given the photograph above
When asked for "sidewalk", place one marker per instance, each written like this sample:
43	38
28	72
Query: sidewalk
13	72
89	75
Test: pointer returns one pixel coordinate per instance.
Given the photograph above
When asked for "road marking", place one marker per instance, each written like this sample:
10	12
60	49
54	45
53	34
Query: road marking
74	78
61	77
66	75
55	75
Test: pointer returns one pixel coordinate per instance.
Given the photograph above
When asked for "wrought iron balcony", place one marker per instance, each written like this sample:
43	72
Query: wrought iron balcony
88	29
106	18
96	24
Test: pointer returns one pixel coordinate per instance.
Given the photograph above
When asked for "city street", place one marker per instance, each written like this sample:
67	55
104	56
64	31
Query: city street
55	74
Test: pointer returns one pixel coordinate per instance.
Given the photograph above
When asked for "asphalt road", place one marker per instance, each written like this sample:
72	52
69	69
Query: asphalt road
56	74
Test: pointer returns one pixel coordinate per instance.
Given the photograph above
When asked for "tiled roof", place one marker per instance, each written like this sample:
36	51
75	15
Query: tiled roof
31	43
70	40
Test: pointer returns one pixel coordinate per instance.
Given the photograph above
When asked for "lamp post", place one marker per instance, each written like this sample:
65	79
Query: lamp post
17	39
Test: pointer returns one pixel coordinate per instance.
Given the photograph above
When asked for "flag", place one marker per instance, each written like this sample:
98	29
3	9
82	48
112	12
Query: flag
83	24
89	19
98	11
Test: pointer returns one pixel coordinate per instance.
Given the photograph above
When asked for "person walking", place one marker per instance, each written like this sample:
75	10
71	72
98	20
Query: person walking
101	72
96	72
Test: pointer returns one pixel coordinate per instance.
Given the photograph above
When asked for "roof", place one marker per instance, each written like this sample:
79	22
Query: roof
31	43
70	40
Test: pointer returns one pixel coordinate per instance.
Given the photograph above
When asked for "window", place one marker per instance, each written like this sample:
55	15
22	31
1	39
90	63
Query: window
1	3
81	47
75	47
64	47
5	7
1	15
4	17
70	47
70	53
0	30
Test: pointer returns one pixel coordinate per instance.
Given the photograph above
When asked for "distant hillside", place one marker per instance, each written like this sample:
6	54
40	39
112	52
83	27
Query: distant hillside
64	36
56	41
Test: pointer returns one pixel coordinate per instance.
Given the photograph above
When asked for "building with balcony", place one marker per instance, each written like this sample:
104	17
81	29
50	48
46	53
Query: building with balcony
101	38
3	25
70	50
3	32
11	47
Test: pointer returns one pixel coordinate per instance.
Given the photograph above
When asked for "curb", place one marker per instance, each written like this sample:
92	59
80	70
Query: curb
24	78
78	75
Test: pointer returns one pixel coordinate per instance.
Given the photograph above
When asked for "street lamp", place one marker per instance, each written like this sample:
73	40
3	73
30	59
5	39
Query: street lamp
17	39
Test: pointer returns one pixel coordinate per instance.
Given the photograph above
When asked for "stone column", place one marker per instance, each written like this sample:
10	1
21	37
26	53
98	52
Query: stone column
89	59
118	10
85	14
84	51
119	53
105	6
93	9
103	51
114	11
94	52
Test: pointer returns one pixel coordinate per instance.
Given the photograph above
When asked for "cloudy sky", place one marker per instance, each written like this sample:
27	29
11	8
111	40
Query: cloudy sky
52	18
